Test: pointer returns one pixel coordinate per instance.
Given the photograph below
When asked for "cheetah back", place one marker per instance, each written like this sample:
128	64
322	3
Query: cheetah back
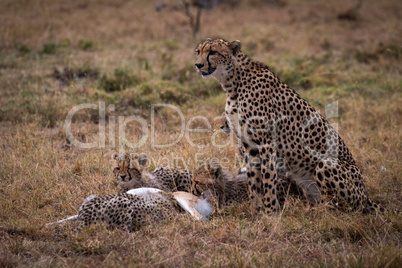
125	211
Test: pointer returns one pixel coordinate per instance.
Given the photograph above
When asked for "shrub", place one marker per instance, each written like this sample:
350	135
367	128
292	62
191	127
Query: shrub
120	80
49	48
85	44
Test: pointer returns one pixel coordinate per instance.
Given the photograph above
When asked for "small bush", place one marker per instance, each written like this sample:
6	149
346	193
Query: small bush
145	89
49	48
23	50
65	42
68	74
50	113
139	97
121	80
173	94
85	44
365	57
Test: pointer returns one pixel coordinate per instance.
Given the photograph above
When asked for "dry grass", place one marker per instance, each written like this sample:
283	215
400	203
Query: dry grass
356	63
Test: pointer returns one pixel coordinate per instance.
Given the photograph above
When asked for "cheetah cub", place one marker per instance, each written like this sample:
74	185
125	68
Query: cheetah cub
130	173
228	188
138	207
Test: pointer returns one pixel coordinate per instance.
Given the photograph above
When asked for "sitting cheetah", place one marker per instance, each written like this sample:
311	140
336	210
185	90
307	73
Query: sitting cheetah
229	188
275	124
129	171
138	207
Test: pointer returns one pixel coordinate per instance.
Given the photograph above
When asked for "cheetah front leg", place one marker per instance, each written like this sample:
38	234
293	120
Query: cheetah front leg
252	160
269	178
262	179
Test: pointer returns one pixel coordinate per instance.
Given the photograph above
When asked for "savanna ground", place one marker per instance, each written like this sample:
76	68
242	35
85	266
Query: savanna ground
55	55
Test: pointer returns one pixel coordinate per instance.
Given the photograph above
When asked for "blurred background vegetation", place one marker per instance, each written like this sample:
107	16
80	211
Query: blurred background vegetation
134	53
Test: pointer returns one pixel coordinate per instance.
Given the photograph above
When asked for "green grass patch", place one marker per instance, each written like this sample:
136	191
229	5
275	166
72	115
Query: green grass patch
85	44
120	80
49	48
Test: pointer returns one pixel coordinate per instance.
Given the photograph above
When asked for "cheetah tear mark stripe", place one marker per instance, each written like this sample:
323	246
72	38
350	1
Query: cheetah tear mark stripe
209	63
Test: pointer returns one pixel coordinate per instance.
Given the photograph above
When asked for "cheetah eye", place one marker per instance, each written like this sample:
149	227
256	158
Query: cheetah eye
117	168
212	52
197	52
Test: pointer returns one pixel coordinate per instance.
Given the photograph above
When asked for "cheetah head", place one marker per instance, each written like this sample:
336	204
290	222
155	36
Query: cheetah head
128	167
207	177
215	57
121	166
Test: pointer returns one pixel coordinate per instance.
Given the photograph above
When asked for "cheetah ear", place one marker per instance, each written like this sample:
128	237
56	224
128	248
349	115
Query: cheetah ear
133	157
235	46
208	39
142	160
115	156
215	168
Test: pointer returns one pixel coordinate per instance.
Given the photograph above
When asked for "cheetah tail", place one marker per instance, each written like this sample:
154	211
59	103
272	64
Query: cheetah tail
373	207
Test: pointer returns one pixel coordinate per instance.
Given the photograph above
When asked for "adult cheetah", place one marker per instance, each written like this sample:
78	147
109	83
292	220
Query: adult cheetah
275	125
130	173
